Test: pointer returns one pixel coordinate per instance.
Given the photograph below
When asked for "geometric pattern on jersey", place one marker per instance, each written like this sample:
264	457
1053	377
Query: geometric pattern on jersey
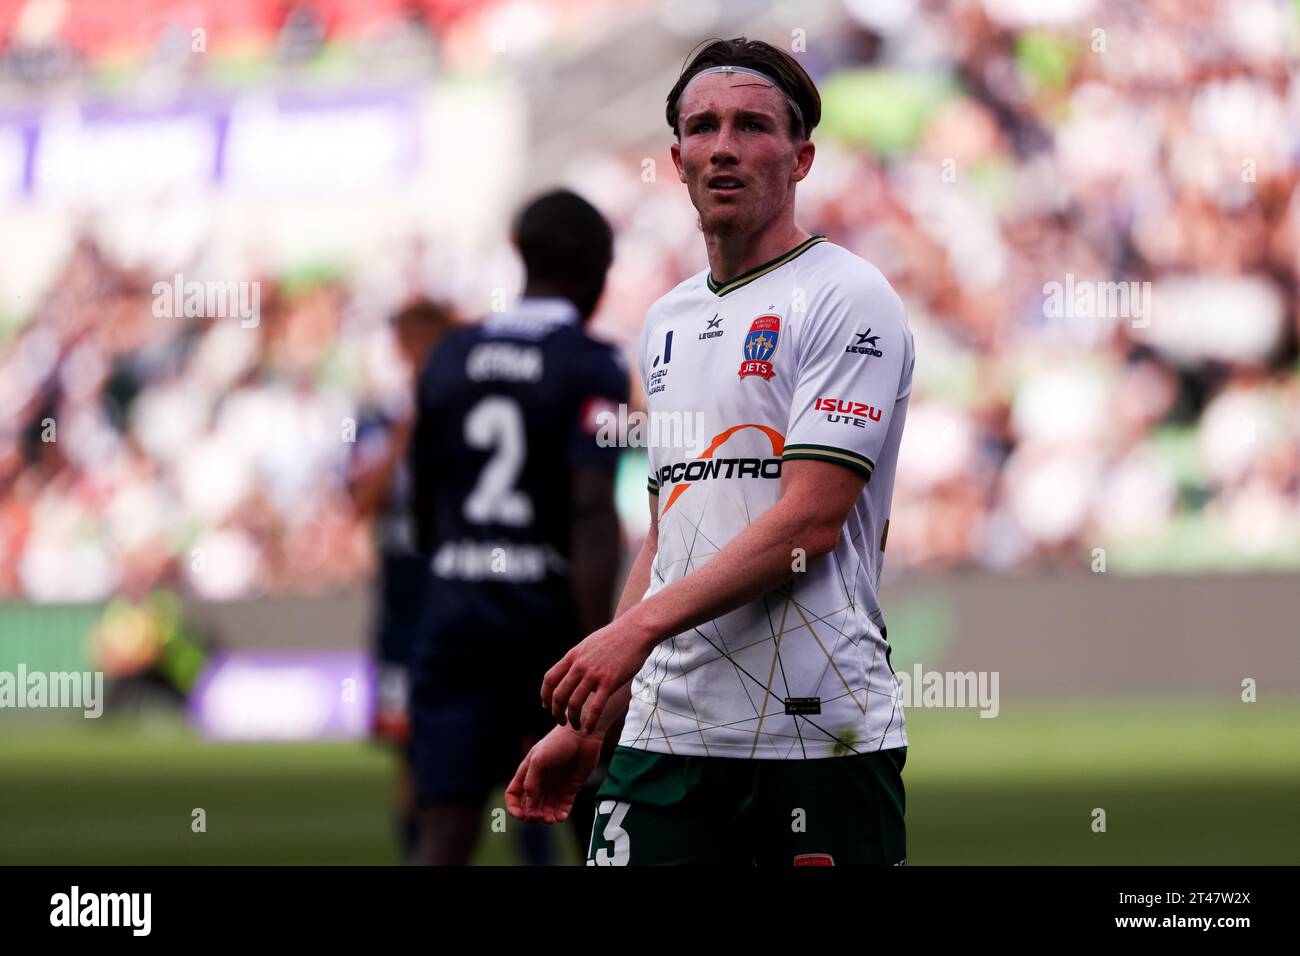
806	357
767	687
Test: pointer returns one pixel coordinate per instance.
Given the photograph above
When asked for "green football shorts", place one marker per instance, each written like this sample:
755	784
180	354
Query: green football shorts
665	809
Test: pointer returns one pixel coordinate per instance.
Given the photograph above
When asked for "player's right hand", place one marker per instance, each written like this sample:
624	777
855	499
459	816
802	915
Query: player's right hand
551	775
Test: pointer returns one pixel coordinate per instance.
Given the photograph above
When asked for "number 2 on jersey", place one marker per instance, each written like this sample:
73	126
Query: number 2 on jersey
497	424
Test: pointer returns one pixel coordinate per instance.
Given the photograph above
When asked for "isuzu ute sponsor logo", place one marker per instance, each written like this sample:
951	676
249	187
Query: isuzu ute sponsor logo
848	412
760	345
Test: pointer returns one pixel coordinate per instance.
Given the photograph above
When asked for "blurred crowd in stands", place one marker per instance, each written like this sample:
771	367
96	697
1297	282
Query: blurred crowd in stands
1092	220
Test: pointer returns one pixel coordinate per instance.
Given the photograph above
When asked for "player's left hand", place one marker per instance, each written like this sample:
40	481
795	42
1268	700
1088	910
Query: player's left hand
578	687
547	782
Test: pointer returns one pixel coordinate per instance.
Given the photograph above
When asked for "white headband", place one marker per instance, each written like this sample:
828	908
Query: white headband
794	107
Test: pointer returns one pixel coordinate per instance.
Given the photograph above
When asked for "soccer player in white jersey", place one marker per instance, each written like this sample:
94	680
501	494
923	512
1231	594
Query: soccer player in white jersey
748	656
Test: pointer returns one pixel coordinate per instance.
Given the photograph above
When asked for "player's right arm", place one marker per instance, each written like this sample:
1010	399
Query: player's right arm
371	480
550	776
420	455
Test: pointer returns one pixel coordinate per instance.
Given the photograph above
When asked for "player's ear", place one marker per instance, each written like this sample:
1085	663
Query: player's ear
803	159
676	151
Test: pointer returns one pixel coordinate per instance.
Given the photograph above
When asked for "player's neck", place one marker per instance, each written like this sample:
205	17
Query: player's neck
733	255
540	289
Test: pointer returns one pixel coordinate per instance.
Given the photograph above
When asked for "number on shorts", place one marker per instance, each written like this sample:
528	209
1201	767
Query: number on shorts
615	834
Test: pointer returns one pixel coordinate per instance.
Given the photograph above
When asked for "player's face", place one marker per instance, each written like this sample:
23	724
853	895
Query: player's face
735	154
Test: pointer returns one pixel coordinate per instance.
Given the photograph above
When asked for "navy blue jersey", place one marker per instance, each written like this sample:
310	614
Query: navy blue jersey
506	409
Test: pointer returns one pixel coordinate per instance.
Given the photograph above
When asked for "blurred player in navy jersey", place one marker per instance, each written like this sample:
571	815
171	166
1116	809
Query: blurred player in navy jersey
380	486
514	504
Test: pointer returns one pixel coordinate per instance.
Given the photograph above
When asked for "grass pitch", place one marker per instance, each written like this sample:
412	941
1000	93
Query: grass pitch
1181	782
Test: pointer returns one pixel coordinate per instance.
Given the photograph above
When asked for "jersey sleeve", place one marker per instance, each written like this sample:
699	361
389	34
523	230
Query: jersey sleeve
602	387
855	358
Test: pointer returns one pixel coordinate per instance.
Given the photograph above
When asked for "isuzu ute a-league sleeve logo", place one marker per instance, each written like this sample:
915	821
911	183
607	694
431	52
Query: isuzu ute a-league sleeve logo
760	342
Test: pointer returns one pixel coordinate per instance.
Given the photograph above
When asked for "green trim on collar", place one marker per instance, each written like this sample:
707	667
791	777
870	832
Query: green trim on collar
747	277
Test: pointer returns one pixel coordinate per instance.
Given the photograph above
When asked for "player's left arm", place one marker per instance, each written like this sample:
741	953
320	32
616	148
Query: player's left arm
596	541
596	536
826	464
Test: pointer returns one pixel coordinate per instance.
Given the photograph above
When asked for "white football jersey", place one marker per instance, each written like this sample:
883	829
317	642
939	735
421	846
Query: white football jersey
806	357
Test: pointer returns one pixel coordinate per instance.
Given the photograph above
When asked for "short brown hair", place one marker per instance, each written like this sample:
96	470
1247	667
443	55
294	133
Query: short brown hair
421	311
784	70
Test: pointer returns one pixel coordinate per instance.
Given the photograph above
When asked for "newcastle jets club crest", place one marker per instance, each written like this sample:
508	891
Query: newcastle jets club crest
759	345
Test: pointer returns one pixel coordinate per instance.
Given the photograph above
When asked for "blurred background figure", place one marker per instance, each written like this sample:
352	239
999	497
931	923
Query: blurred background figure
514	505
380	489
